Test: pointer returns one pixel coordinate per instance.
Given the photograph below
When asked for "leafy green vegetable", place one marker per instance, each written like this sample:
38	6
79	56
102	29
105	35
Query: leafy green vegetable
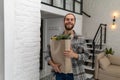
61	37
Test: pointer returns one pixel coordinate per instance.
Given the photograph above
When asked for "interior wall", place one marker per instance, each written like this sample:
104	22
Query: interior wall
22	39
1	41
101	12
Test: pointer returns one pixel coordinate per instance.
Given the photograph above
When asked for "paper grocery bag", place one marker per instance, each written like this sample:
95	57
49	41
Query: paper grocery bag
57	48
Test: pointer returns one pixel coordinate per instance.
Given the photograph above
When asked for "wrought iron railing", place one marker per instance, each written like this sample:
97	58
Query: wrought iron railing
68	5
99	39
75	6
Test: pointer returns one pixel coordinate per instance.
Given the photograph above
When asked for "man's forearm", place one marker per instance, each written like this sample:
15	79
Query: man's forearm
51	62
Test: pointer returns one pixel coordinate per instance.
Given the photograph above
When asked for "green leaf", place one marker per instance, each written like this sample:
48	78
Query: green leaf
109	51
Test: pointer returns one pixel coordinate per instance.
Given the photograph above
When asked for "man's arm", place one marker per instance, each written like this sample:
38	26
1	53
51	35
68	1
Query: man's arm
55	66
81	52
71	54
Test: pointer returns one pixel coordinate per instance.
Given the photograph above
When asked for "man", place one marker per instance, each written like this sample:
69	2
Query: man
78	54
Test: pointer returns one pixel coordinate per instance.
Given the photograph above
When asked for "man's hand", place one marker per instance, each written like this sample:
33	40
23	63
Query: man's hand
70	54
56	67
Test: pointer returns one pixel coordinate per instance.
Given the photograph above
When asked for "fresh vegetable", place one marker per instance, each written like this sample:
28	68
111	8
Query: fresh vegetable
61	37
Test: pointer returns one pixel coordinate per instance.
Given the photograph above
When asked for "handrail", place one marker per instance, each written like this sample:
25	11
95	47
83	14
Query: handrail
100	28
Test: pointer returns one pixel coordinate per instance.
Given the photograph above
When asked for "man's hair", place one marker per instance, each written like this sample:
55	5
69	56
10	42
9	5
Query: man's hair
70	14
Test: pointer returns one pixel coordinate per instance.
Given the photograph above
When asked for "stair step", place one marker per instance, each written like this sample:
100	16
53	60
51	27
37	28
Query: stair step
95	49
89	67
90	54
90	48
89	40
89	61
99	44
89	75
90	43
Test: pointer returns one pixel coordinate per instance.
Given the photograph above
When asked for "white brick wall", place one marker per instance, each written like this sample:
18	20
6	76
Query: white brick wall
21	39
27	40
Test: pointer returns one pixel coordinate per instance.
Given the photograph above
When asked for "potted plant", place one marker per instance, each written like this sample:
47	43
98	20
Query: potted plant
109	51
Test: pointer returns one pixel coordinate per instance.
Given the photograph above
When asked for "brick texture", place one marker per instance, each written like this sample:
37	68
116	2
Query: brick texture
27	39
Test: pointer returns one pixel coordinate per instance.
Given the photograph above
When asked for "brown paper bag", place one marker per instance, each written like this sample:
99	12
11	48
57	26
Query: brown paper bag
57	48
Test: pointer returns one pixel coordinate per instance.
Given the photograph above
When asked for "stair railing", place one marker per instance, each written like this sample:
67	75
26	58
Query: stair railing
102	39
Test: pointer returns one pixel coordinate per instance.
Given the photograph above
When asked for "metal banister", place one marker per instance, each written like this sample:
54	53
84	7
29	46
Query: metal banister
100	28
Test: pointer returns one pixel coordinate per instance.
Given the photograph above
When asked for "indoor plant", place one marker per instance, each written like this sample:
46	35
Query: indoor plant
109	51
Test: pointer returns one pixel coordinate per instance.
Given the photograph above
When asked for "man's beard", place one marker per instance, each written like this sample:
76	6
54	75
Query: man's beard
69	28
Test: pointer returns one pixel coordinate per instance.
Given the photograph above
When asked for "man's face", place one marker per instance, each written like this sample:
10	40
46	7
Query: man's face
69	22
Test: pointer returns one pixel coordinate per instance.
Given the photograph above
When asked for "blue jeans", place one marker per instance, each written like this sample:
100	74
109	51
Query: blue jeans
62	76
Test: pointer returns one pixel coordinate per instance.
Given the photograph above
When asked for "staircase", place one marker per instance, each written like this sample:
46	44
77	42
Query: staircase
88	64
95	46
